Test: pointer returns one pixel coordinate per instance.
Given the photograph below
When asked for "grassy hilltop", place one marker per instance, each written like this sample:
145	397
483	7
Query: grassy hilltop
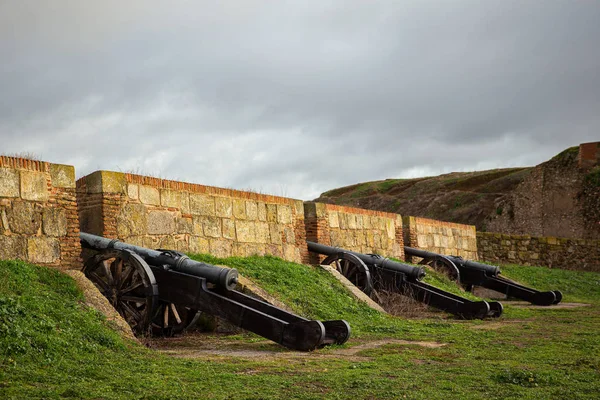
53	346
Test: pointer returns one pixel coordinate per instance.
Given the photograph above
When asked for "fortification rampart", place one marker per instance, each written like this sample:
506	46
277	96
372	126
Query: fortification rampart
38	213
160	213
356	229
440	237
563	253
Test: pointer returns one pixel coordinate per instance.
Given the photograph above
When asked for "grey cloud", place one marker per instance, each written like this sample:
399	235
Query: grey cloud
297	97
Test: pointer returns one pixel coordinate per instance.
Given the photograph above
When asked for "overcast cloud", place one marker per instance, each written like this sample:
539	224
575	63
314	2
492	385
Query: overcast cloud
297	97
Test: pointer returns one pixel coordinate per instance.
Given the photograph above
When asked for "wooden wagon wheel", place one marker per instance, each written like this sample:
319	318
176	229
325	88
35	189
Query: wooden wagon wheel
170	319
128	283
353	268
444	265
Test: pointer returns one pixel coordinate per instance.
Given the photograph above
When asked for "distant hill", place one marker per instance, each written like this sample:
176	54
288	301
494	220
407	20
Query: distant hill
555	198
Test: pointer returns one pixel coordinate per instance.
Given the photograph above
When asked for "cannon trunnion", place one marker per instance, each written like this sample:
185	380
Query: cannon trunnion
163	291
370	271
472	273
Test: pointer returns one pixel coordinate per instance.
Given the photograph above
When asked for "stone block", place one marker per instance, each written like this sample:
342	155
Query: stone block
284	214
351	221
160	222
289	234
228	228
336	238
25	217
298	209
272	213
274	250
275	233
551	240
132	220
43	250
359	222
291	252
262	211
166	242
333	220
199	244
245	231
184	225
239	208
34	186
54	222
185	203
106	182
360	238
211	226
390	229
201	204
62	176
223	207
262	232
221	247
171	198
133	191
12	247
9	183
149	195
251	210
367	222
343	220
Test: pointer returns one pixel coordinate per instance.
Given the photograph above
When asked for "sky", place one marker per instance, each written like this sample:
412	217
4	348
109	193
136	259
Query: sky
293	98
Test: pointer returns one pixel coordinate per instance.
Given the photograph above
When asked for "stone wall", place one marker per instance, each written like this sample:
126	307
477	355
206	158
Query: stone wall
440	237
159	213
564	253
38	213
363	231
557	198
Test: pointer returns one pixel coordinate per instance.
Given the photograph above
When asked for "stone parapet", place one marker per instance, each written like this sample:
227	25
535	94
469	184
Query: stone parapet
440	237
554	252
355	229
160	213
38	213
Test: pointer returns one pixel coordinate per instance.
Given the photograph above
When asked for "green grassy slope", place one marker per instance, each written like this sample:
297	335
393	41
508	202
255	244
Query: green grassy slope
51	346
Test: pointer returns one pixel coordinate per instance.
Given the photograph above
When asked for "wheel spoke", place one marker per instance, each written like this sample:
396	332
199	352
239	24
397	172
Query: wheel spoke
131	288
99	282
135	299
136	315
118	266
126	276
338	266
107	272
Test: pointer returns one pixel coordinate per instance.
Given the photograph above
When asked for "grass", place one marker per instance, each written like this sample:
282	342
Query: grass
52	346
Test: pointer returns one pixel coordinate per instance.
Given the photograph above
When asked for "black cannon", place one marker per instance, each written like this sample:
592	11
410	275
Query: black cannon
162	291
472	273
371	271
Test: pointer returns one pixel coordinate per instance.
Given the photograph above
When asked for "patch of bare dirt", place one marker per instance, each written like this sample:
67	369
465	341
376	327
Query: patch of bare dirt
220	347
524	304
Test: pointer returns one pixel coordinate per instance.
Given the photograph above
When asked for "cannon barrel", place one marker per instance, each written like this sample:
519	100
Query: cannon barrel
412	273
490	270
223	277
